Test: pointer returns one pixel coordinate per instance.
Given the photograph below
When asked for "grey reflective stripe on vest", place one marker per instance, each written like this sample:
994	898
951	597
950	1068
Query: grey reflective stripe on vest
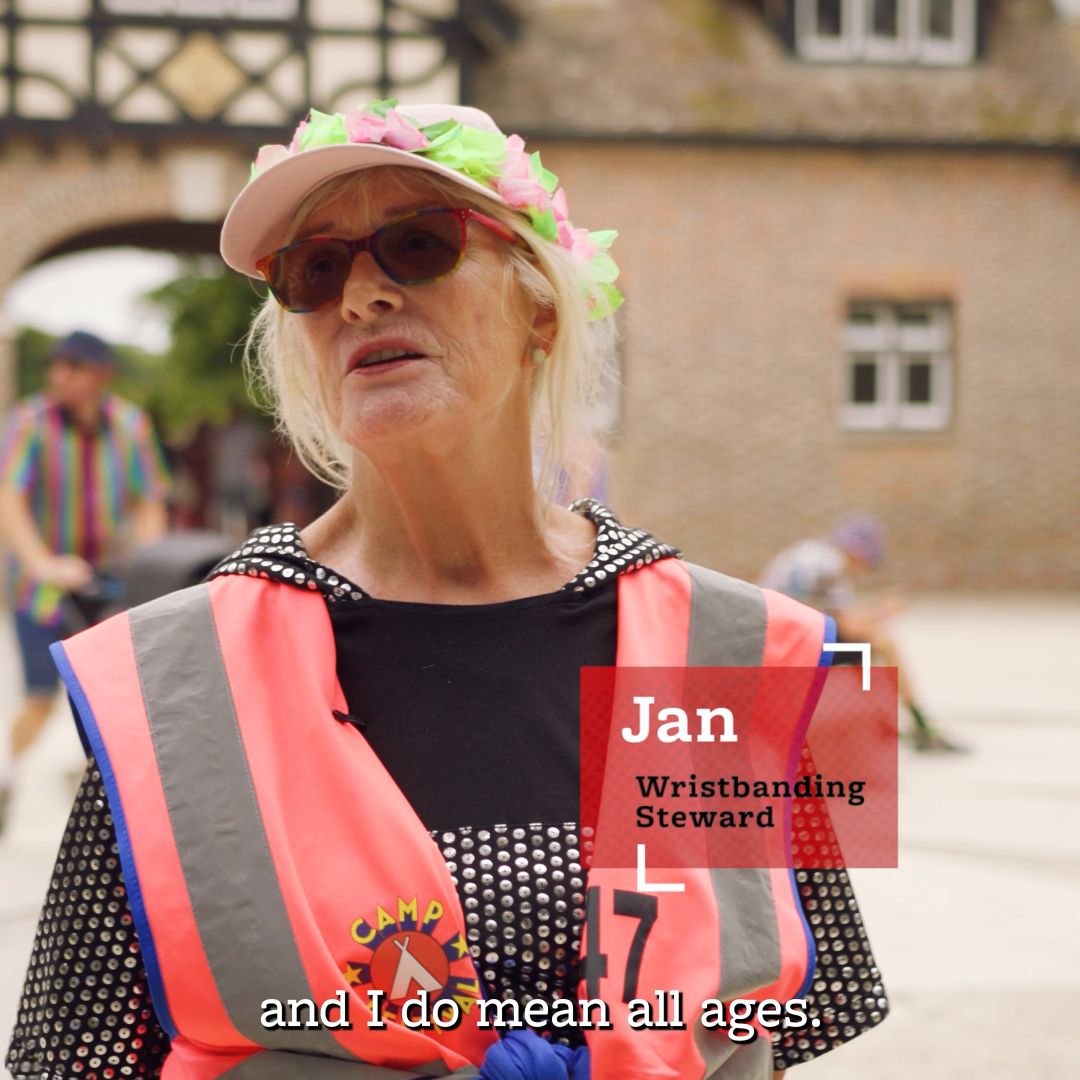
281	1065
749	942
224	854
727	621
733	1061
727	629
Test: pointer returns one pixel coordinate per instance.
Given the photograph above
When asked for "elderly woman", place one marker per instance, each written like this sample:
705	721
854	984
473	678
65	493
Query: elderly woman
248	886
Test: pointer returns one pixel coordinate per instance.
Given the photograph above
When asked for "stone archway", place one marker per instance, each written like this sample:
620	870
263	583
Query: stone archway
70	198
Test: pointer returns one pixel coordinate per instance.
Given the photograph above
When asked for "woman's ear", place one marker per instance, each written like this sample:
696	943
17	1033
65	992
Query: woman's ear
545	326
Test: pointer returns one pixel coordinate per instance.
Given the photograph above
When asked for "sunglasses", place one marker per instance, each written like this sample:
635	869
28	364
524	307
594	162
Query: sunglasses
416	249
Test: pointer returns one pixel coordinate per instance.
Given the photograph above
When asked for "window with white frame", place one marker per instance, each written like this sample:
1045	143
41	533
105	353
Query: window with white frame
897	368
886	31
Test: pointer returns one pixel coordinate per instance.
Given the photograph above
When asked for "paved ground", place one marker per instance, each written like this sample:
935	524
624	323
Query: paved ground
976	932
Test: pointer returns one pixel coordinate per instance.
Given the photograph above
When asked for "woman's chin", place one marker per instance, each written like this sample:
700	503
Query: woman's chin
378	417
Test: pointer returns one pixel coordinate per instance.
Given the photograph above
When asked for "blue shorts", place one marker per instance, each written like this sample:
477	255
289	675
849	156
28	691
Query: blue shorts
39	672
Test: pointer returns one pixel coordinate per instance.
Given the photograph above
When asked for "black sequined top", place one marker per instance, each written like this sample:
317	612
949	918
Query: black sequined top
86	1009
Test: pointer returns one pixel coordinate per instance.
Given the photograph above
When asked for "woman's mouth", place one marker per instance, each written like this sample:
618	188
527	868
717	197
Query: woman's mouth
384	359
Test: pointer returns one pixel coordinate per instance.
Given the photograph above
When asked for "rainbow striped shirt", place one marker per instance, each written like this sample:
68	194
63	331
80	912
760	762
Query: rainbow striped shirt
80	485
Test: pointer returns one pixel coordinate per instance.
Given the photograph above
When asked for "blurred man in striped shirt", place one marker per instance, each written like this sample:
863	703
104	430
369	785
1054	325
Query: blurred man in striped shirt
82	479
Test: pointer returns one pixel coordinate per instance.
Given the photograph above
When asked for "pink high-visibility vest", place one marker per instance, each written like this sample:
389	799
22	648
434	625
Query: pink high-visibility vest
269	856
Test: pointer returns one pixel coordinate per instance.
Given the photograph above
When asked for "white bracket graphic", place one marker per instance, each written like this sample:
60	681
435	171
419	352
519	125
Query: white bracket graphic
862	647
655	886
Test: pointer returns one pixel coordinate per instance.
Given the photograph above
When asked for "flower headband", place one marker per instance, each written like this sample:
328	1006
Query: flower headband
488	160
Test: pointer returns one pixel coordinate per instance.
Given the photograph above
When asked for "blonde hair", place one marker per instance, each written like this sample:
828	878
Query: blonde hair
283	377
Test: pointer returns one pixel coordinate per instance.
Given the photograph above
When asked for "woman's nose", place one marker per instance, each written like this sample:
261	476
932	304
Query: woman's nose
369	294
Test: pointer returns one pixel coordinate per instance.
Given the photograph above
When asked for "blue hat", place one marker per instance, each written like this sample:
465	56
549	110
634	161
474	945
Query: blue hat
861	535
83	348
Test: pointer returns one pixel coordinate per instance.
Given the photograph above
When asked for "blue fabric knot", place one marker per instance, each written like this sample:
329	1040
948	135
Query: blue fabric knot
523	1055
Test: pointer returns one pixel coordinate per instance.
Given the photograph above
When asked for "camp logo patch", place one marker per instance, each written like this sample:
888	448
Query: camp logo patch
403	954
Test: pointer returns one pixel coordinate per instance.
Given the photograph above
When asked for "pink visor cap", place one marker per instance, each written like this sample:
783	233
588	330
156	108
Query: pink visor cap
261	213
458	142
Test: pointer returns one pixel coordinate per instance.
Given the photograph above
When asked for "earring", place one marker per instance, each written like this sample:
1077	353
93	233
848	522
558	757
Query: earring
538	356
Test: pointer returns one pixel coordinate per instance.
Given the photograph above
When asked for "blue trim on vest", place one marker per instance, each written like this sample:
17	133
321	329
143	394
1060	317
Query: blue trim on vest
809	706
811	945
90	734
826	658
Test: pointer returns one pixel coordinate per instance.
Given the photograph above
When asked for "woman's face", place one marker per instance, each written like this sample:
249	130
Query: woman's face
469	335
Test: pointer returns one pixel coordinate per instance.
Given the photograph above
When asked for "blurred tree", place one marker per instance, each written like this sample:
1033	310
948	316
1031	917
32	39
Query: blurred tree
200	377
31	348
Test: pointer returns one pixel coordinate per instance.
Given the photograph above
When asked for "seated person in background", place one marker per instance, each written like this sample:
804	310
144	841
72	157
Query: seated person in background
822	573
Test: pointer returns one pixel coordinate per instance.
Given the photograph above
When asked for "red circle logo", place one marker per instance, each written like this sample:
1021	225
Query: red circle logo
407	962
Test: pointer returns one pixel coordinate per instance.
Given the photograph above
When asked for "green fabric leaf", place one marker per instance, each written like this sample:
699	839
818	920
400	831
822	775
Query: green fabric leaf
603	239
544	223
548	180
476	154
323	129
606	301
602	268
439	133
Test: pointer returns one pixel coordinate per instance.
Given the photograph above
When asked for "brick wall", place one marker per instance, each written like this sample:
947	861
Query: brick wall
738	264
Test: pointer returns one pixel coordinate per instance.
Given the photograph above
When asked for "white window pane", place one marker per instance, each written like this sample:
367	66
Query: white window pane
927	401
940	19
826	29
345	14
884	19
267	9
863	389
860	315
918	385
40	99
897	371
828	18
206	9
888	30
947	32
923	328
343	61
414	59
870	328
869	398
909	315
53	9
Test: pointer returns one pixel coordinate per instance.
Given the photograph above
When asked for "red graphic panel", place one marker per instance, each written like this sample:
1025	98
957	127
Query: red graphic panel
739	767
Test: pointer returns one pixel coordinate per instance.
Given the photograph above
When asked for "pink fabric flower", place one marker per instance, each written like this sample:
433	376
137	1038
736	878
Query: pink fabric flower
394	130
294	146
516	183
364	127
576	241
402	134
559	206
523	193
516	164
270	155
